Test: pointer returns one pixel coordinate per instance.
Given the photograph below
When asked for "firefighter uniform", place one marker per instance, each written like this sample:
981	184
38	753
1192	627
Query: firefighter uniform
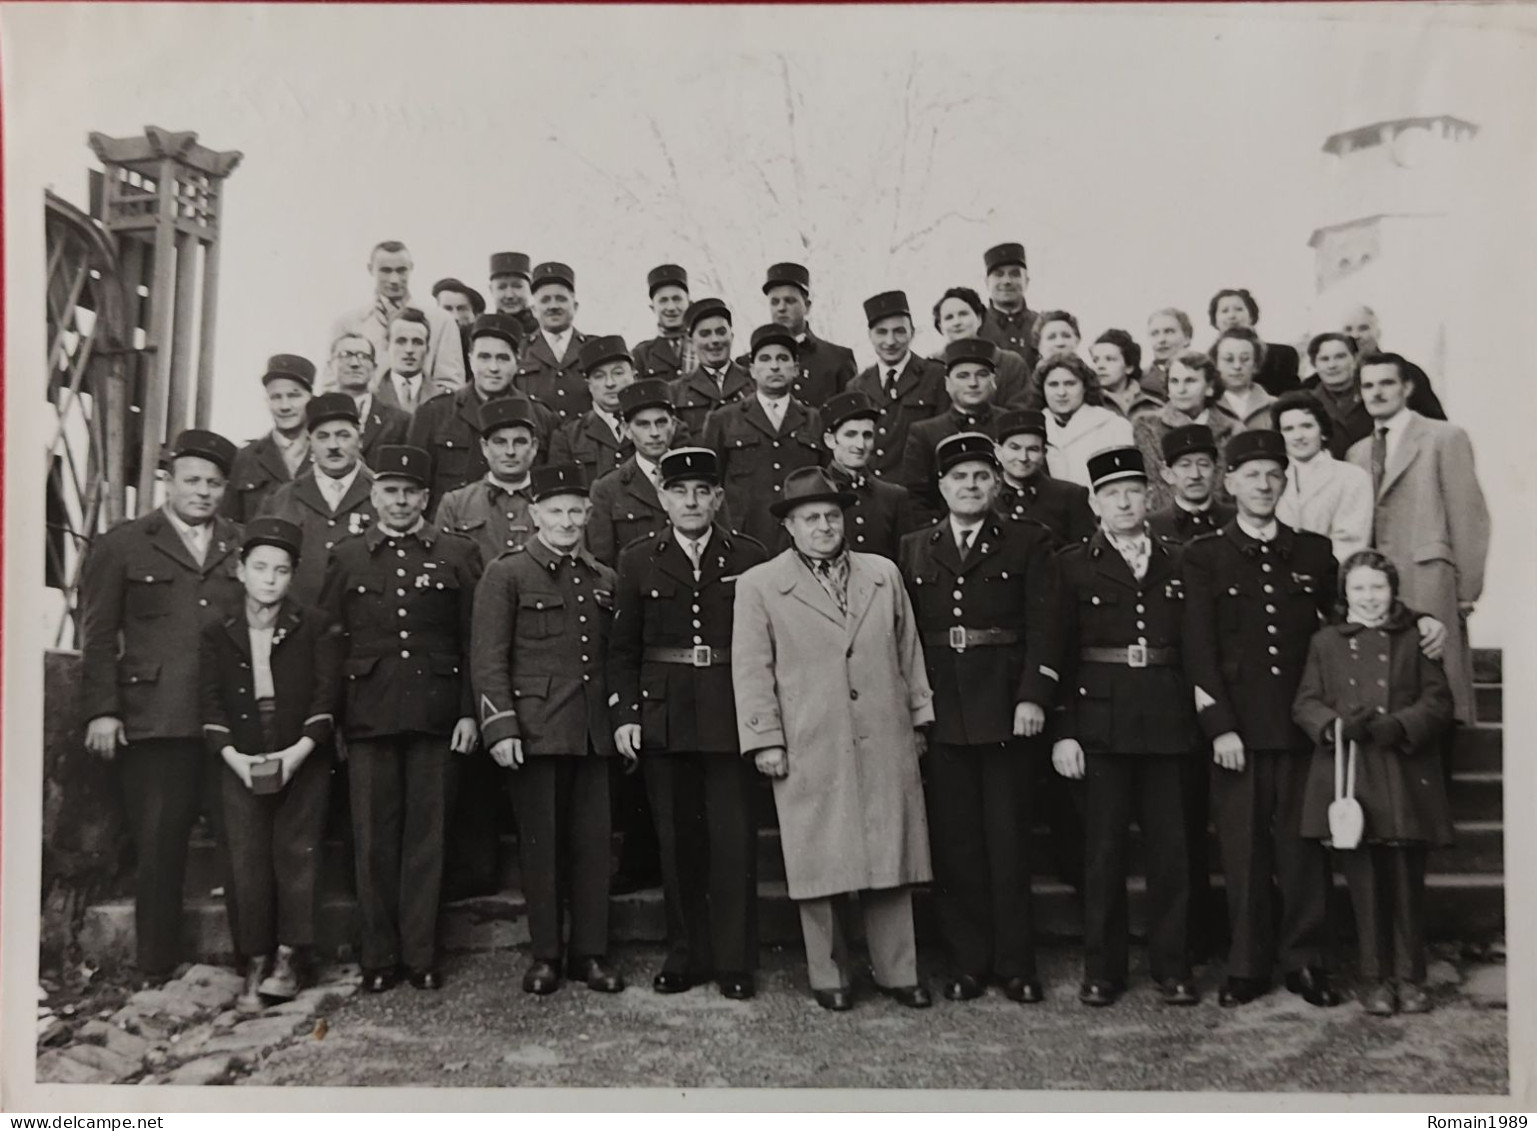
447	428
556	382
923	438
1062	506
825	368
916	393
1176	525
382	424
755	458
625	506
701	392
1009	331
514	263
259	467
881	512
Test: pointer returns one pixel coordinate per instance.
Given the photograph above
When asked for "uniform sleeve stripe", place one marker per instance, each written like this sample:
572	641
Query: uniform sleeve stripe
215	726
499	715
1049	673
319	718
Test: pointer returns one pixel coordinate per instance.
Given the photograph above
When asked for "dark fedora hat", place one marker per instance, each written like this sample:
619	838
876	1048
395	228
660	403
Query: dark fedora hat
809	485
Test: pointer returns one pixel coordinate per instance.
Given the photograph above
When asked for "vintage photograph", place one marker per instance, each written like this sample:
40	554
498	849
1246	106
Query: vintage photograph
972	547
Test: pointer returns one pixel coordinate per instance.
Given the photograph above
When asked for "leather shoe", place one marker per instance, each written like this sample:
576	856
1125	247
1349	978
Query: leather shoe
1026	991
668	982
1241	991
598	975
541	978
1099	993
426	979
914	997
1179	991
737	987
1313	984
378	981
966	987
1377	1000
1412	998
839	1001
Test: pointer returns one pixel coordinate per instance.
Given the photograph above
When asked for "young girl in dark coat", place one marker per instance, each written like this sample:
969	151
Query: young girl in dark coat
1367	676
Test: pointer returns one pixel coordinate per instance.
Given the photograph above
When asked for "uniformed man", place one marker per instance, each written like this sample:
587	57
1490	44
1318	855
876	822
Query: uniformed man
1029	491
1126	726
510	278
984	593
1256	591
541	626
905	387
669	672
596	440
333	500
493	510
1190	470
762	439
1009	322
625	502
826	369
148	587
717	380
352	372
881	512
402	594
283	453
971	381
448	427
550	370
670	354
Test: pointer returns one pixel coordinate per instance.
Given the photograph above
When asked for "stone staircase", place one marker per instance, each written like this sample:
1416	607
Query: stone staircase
1466	898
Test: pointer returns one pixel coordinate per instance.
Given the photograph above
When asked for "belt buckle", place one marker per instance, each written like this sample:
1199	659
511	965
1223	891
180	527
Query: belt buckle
1136	656
958	638
701	655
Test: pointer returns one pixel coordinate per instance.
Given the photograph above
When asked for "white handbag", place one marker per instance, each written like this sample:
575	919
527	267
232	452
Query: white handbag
1346	820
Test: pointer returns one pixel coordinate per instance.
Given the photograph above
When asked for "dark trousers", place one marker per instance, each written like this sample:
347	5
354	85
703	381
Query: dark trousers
400	786
472	855
979	836
1258	813
272	843
564	829
1151	786
708	840
160	778
1206	923
1060	801
1387	893
639	848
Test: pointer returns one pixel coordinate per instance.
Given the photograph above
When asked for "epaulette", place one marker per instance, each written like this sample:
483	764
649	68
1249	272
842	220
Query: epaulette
1206	537
508	553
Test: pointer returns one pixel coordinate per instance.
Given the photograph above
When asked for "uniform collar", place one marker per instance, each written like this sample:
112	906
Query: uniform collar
423	531
537	549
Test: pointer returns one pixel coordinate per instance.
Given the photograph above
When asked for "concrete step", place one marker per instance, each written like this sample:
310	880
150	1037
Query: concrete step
1489	702
1477	795
1479	747
1488	665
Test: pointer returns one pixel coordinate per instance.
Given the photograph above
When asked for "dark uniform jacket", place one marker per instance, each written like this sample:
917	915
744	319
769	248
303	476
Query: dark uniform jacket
679	707
918	466
754	459
384	424
258	470
1008	581
143	603
696	395
496	518
1278	372
880	514
541	635
660	357
1114	708
589	441
1176	526
1062	506
1012	331
403	604
826	370
625	507
561	385
306	677
301	503
920	395
447	428
1250	610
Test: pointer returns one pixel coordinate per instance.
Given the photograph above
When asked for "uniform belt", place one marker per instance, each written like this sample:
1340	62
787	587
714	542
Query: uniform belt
1137	656
960	638
699	656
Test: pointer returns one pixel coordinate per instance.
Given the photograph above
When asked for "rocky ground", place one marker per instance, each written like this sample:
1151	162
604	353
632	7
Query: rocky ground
481	1030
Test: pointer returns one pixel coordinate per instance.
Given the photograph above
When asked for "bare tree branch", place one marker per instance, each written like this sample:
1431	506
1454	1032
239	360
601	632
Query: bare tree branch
913	238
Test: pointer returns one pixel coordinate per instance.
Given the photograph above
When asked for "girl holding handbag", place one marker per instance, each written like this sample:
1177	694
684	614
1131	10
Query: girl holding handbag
1375	790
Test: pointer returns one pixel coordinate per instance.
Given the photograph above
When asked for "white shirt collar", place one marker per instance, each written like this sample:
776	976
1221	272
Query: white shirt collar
774	406
338	485
403	379
558	342
899	366
701	542
1265	533
364	401
198	534
957	526
649	468
520	485
615	425
388	533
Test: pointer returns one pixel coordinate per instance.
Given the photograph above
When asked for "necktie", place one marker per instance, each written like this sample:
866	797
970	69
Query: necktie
891	383
196	540
558	348
1379	457
406	388
691	548
963	541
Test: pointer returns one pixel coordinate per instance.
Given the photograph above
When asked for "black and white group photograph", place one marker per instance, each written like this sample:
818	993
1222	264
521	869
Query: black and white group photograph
891	557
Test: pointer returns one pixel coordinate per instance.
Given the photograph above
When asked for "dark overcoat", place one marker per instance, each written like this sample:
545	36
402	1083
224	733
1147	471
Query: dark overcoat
447	428
696	395
1061	506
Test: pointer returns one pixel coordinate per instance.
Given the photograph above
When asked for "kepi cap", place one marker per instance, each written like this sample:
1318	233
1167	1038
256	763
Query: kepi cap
690	463
507	412
978	350
547	273
1018	420
401	461
1256	443
788	274
964	447
1003	255
271	531
809	485
556	479
705	308
884	305
494	325
509	263
597	351
843	407
652	392
330	406
1114	464
291	367
1187	439
203	444
667	275
770	335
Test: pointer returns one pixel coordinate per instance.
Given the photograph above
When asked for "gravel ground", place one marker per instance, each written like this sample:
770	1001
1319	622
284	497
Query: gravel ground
482	1031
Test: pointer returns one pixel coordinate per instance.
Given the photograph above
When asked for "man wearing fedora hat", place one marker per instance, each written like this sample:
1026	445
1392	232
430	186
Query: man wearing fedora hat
597	440
716	380
670	354
542	616
510	276
825	369
283	453
831	702
1028	490
881	512
971	382
905	387
148	587
550	368
626	503
1009	322
463	303
401	595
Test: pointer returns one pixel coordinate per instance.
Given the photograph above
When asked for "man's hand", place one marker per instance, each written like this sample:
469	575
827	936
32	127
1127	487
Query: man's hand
508	753
921	741
627	738
104	735
1227	751
293	757
466	736
1067	757
1029	720
240	763
772	762
1432	637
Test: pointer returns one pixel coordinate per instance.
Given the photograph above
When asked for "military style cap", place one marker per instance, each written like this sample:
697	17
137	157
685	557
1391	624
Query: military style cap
884	305
596	351
667	275
964	447
401	461
291	367
1257	443
503	326
1003	255
705	308
505	412
652	392
979	350
1183	441
509	263
1115	464
771	334
788	274
843	407
547	273
330	406
809	485
690	463
205	445
269	531
1018	420
556	479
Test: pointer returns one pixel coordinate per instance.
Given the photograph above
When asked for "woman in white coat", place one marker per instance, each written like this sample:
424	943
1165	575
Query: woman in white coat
1324	495
1077	423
